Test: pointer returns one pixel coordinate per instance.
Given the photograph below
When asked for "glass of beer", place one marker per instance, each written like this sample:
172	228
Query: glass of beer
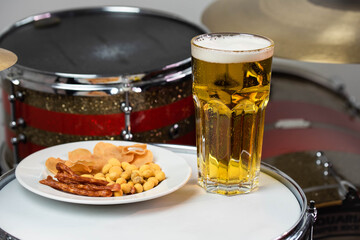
231	86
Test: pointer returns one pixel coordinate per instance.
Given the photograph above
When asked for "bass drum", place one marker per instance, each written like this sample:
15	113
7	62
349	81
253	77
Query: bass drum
99	73
312	133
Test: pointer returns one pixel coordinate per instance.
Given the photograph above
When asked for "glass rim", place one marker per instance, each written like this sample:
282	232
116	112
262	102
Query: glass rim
208	35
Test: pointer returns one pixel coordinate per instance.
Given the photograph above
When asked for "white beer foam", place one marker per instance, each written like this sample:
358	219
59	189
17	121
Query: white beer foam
231	48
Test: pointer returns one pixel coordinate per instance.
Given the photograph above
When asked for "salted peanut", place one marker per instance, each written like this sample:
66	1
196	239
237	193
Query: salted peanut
138	179
107	177
131	183
99	175
144	167
114	162
87	175
138	187
120	180
126	174
118	193
113	176
155	167
124	165
131	167
147	173
116	169
148	185
160	175
135	174
154	179
126	188
106	168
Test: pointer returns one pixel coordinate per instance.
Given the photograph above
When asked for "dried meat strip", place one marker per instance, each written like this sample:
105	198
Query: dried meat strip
115	187
78	179
61	167
89	186
49	181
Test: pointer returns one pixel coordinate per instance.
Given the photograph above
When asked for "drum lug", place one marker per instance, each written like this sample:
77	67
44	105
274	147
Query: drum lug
20	122
344	185
126	108
313	216
15	142
174	131
16	123
312	210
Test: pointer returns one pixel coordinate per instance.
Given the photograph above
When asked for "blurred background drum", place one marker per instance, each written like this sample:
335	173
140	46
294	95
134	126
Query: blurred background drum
97	73
307	113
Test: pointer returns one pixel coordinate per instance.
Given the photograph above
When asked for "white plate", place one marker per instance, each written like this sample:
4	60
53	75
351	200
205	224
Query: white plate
32	169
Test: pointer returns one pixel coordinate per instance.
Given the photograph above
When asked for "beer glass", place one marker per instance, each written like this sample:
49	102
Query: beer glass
231	86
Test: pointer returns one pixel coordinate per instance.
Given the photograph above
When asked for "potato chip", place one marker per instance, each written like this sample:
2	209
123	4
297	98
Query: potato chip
80	167
125	157
107	151
138	149
98	163
142	159
51	164
80	154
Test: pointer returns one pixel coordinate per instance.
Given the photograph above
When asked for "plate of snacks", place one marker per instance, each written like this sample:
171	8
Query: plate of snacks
103	172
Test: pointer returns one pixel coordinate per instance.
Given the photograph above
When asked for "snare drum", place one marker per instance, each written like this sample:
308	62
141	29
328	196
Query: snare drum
277	210
98	73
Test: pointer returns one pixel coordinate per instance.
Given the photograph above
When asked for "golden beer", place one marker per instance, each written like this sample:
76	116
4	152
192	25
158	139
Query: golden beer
231	86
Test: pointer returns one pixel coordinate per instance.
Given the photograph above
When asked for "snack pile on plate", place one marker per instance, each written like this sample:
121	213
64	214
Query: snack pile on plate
109	171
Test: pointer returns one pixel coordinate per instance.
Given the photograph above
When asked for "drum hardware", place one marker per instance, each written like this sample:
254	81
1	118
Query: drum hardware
313	213
174	131
16	123
344	187
126	108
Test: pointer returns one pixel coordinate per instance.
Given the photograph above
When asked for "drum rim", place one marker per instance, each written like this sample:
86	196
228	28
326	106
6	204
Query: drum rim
184	65
304	220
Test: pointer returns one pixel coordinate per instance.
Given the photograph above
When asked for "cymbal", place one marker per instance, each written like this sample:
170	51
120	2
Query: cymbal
7	59
305	30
